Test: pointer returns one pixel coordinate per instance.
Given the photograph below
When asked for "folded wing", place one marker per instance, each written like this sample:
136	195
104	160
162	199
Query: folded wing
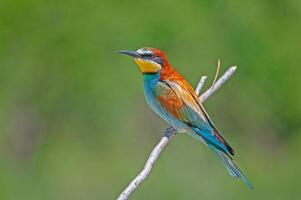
182	102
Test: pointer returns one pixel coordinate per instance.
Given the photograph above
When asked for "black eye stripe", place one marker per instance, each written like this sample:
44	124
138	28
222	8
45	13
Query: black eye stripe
147	54
157	60
150	56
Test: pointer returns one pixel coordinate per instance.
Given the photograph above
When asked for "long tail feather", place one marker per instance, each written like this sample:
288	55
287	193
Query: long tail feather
231	166
227	161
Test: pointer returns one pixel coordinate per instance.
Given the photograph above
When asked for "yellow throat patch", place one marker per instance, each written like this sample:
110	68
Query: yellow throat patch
147	66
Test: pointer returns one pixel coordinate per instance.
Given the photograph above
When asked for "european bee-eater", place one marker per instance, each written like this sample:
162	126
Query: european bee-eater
175	101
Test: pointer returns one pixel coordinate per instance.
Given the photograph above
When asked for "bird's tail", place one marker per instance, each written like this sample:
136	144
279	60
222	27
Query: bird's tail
231	166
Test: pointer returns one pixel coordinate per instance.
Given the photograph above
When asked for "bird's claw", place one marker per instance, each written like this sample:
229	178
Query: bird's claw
170	132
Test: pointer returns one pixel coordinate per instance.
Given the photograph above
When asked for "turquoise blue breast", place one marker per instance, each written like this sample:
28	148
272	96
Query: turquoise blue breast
150	83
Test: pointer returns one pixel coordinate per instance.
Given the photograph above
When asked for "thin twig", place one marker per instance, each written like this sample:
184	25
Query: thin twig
169	133
200	85
217	71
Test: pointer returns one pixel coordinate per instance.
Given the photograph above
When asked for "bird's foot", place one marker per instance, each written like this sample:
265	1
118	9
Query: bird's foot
169	132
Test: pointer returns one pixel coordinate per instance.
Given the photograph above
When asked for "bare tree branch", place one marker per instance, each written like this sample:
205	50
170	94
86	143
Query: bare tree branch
170	132
218	83
200	85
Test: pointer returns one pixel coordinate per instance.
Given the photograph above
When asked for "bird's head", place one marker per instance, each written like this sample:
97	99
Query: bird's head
149	60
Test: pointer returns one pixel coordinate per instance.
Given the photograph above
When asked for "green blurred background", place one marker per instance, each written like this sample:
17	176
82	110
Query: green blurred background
74	123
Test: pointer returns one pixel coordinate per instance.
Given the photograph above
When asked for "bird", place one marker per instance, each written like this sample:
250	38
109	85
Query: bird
171	97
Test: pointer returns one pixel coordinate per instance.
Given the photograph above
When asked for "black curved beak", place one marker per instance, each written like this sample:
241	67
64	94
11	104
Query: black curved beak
133	54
